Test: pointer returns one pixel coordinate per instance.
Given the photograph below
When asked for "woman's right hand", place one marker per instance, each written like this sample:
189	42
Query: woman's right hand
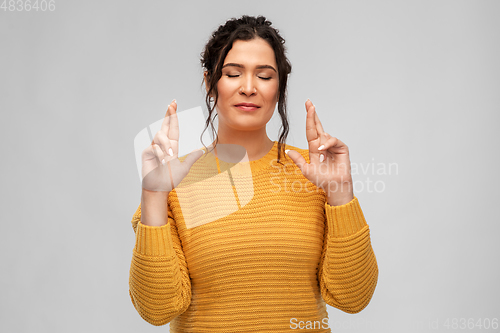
161	168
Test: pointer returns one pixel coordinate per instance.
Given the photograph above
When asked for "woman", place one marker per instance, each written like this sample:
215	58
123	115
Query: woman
247	238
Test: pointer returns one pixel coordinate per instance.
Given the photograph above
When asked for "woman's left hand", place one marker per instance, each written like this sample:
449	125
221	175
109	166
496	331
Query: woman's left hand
330	166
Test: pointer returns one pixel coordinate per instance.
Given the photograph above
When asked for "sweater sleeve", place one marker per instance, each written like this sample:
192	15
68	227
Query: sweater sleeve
159	283
348	270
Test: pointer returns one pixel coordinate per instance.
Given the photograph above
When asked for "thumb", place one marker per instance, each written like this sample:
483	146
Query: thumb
296	157
193	157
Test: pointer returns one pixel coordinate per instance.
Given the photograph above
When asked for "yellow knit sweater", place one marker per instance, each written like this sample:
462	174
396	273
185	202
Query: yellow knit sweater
254	249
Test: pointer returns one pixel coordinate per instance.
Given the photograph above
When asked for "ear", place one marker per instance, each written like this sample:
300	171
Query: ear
205	78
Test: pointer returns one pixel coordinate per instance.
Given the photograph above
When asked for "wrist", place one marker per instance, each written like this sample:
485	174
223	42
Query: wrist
154	209
340	196
154	194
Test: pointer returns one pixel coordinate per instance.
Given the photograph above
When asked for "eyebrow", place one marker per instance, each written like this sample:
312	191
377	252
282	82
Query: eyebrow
241	66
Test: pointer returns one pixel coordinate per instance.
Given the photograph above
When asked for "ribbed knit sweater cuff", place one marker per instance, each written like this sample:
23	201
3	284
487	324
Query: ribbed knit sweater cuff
345	220
153	241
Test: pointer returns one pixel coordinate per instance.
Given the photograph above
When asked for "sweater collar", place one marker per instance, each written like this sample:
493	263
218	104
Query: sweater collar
256	166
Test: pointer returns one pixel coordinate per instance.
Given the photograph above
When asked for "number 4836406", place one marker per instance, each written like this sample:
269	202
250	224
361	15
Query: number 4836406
471	323
28	5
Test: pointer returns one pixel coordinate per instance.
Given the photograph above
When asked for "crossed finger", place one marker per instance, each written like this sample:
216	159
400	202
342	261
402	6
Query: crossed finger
168	132
313	124
333	143
170	124
314	132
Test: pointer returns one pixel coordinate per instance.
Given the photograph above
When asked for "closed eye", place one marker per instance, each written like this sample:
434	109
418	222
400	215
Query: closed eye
237	75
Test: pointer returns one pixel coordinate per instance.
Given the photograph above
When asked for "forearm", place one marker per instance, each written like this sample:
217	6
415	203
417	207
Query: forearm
154	208
159	281
348	269
349	274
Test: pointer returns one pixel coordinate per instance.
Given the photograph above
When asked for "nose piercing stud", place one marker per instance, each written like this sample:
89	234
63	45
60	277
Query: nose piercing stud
254	90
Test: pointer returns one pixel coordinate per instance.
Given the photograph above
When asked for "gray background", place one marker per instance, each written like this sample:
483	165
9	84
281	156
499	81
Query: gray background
412	83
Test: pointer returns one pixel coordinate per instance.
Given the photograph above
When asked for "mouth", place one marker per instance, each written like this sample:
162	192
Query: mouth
247	106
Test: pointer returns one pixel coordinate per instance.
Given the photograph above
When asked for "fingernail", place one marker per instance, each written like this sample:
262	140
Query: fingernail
170	152
321	158
286	151
163	161
173	101
321	147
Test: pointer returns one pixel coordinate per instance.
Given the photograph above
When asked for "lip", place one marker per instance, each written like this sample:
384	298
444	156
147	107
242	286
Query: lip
247	106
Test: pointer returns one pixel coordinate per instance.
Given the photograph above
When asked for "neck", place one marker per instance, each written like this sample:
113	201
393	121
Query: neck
257	144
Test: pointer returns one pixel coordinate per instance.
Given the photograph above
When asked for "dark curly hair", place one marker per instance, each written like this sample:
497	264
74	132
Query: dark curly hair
216	50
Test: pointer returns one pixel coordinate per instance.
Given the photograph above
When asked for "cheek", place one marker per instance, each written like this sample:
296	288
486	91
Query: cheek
225	87
220	89
272	93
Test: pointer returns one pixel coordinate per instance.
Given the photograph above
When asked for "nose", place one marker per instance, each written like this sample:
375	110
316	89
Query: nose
248	87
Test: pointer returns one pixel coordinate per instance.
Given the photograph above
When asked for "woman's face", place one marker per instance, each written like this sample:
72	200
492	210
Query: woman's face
248	88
